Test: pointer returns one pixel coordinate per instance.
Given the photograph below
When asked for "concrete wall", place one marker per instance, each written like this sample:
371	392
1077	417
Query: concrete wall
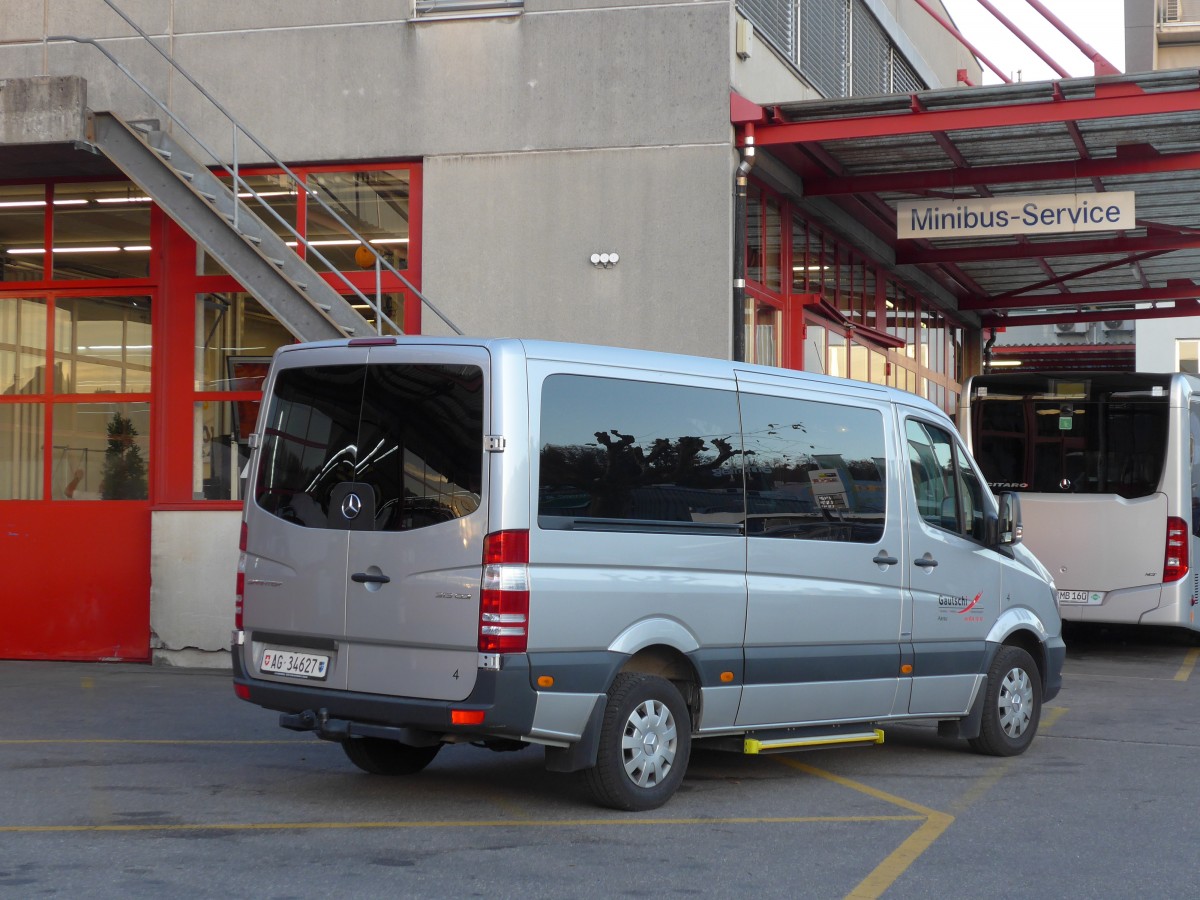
1156	341
514	260
193	570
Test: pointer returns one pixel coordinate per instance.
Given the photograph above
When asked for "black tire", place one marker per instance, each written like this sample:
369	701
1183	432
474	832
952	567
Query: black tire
380	756
645	743
1012	705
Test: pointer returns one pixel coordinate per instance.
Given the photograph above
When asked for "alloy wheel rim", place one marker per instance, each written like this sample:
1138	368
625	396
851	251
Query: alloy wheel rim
649	743
1016	703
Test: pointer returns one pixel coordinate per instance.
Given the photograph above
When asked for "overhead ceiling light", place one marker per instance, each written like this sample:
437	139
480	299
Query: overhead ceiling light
60	251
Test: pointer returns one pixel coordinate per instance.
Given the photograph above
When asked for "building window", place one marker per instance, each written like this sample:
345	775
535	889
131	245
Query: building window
468	8
21	443
102	345
101	451
98	230
22	232
375	203
839	46
236	338
93	381
1187	356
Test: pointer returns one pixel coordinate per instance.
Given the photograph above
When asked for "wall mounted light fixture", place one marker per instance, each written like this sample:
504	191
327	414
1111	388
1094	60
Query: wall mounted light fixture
605	260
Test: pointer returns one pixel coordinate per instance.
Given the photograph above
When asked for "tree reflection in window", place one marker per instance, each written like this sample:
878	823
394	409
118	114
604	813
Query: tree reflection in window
814	471
675	457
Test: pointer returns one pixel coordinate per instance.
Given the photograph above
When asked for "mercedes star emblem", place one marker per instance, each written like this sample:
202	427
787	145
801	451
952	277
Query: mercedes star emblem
351	506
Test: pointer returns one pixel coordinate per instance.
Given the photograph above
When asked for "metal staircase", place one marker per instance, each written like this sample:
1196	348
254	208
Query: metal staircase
204	206
220	215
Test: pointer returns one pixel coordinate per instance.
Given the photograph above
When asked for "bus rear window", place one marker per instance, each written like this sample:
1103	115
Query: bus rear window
1100	443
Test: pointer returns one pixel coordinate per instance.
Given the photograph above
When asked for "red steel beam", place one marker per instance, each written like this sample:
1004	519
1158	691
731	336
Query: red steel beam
1119	244
1181	308
1084	298
1059	349
1141	161
1101	65
962	40
1079	273
1115	101
1008	23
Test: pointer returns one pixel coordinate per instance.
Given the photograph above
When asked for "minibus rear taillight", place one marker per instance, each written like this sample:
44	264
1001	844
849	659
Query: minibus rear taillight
504	598
240	596
1175	565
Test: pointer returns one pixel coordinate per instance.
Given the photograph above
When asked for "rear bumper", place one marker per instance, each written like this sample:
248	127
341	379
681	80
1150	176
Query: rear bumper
504	696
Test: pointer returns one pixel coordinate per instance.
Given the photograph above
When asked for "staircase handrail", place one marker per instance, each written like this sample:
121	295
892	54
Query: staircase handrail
240	183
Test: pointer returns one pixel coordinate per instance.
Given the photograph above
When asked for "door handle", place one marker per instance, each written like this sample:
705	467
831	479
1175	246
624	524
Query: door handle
926	562
368	578
884	560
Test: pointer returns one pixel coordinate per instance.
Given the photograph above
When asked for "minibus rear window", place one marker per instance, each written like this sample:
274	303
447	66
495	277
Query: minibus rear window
406	440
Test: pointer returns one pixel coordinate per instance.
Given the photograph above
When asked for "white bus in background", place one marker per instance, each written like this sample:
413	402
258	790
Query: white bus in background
1108	471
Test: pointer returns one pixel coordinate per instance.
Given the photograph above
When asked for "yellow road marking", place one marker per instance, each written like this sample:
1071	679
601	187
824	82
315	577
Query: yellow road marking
1051	715
859	786
933	822
1189	663
459	823
885	874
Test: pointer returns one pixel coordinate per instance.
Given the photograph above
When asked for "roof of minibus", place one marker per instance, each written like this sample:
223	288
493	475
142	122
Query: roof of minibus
640	361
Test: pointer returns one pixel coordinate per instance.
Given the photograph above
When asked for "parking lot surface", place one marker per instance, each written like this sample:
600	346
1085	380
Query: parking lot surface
132	781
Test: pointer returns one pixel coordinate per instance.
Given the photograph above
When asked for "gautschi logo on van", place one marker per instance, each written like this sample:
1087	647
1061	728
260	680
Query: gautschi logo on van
960	605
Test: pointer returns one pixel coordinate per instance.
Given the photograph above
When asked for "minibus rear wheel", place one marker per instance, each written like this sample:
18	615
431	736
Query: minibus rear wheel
381	756
1012	706
645	743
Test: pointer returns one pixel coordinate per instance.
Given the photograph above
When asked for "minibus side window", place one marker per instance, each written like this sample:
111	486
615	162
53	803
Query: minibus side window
624	452
948	491
814	471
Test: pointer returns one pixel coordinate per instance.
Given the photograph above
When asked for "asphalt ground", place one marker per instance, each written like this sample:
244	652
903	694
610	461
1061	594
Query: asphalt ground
132	781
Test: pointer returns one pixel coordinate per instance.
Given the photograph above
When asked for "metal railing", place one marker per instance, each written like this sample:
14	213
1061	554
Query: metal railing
1178	13
232	168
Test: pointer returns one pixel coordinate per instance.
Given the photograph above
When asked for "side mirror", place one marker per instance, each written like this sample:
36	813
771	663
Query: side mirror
1008	526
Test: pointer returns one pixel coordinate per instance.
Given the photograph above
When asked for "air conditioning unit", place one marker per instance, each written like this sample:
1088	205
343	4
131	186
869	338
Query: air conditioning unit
1170	10
1111	325
1069	327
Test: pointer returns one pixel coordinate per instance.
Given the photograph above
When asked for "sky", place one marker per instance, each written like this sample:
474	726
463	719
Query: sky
1100	23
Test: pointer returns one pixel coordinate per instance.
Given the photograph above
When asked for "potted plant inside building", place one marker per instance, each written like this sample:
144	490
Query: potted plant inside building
124	475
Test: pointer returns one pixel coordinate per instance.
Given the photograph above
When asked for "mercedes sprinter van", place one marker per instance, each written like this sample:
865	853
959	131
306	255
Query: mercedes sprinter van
615	553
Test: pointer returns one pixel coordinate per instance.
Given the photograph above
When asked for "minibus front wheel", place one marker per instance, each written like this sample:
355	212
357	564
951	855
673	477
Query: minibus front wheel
645	743
1012	704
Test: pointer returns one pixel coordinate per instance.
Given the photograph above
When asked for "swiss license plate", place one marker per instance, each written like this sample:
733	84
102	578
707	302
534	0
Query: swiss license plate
1084	598
294	664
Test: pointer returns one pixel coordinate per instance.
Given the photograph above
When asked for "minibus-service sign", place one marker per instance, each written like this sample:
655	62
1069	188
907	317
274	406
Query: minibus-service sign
1000	216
